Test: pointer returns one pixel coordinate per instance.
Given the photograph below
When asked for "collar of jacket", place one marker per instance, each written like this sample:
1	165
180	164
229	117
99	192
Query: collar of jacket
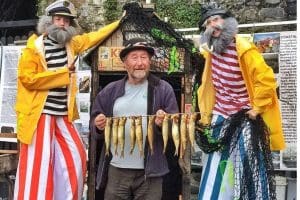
243	45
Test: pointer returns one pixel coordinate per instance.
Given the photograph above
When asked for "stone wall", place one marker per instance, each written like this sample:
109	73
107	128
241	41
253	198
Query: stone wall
261	11
249	11
90	12
246	11
90	16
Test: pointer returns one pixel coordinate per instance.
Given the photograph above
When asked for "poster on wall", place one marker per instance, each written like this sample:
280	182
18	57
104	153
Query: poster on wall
288	97
8	88
83	99
267	43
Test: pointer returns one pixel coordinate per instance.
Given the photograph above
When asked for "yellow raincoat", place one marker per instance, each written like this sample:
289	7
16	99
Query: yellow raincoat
260	84
34	80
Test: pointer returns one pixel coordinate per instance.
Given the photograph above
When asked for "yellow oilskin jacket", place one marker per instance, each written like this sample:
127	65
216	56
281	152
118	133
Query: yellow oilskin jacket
261	86
34	80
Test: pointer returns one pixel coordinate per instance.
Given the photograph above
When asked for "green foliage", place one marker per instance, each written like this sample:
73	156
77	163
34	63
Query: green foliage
112	10
180	13
158	34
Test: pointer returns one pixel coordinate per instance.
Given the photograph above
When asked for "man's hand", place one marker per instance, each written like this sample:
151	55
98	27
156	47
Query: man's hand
252	114
123	14
71	67
160	115
100	121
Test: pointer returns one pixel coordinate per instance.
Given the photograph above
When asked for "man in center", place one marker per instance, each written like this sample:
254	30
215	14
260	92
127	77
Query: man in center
140	93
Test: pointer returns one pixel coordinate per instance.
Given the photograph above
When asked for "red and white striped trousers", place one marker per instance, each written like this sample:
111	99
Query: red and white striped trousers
53	166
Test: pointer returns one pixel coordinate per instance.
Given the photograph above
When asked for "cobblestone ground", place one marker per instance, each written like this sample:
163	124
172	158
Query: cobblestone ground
195	185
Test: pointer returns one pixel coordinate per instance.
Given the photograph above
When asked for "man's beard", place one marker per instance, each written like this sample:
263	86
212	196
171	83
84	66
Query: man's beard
61	35
139	74
219	44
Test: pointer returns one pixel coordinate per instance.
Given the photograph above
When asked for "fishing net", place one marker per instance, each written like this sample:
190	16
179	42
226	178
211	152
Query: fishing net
173	52
254	172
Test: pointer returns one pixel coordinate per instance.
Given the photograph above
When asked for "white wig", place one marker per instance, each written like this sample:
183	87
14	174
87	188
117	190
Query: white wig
46	21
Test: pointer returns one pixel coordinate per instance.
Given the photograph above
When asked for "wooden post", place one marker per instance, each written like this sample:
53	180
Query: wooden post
92	142
186	161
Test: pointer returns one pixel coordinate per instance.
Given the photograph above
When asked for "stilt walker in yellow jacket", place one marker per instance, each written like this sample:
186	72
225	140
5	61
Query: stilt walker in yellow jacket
239	112
52	162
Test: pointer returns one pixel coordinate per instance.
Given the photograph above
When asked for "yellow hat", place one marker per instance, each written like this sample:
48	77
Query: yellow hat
61	7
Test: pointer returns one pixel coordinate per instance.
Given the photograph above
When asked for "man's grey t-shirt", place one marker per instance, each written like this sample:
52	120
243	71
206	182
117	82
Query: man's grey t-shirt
132	103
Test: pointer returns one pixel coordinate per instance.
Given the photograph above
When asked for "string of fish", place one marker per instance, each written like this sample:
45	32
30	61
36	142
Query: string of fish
182	131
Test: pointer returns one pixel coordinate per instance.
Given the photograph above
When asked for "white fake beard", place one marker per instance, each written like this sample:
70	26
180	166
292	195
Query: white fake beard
61	35
219	44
